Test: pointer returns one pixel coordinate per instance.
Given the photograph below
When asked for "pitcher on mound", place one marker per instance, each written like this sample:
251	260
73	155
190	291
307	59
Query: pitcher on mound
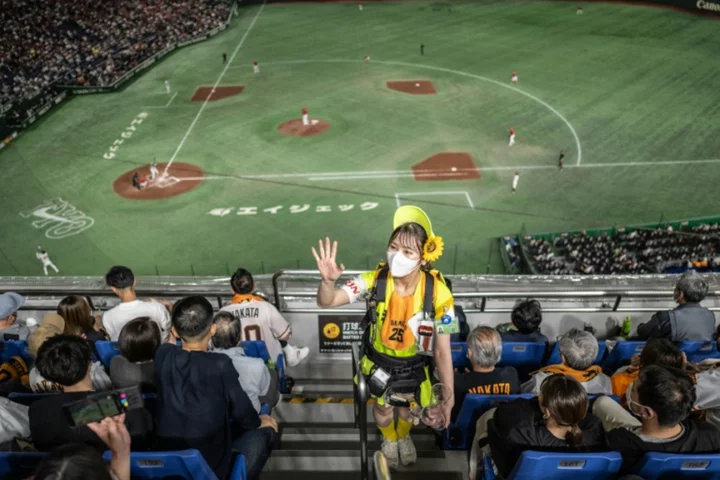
305	118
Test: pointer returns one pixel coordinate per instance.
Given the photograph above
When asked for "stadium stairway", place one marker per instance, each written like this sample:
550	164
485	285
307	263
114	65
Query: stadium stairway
318	439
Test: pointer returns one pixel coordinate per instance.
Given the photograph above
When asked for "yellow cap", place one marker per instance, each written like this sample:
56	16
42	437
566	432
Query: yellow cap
411	213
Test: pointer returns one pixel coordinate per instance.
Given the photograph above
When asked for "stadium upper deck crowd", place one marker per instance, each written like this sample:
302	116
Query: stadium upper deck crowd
641	251
209	393
84	42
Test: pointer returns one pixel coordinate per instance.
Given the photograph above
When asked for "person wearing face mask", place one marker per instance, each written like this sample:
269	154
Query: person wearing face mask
410	318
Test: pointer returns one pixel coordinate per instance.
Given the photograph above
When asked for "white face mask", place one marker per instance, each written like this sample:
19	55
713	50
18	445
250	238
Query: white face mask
400	265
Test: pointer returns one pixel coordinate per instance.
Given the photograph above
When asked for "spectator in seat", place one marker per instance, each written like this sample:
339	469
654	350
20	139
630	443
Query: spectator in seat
138	341
201	404
256	380
484	352
261	320
578	350
65	360
53	324
74	461
10	303
122	282
657	351
525	327
661	398
76	312
555	421
689	320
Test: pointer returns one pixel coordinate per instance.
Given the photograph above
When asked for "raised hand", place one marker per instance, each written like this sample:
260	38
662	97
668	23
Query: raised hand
326	260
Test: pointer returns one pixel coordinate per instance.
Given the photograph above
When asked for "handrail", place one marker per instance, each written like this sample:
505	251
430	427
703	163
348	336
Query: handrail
360	400
380	467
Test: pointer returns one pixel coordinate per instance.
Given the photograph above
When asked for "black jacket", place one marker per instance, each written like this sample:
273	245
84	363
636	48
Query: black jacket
690	321
518	426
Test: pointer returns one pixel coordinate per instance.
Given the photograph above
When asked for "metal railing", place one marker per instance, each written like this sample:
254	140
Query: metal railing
360	398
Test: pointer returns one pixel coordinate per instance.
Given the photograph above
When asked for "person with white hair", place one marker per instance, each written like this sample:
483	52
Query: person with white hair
578	350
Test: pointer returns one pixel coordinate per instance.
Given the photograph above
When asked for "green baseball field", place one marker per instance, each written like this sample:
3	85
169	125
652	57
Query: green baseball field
631	94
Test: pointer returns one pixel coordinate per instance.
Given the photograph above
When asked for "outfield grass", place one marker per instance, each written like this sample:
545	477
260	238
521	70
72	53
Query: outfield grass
637	85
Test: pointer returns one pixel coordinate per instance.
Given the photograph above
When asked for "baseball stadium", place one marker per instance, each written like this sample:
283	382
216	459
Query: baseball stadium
499	163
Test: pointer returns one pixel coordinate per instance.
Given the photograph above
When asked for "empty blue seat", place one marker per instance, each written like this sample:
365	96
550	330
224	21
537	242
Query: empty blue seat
15	348
621	355
458	351
460	433
106	351
534	465
699	351
258	349
28	399
521	355
554	358
238	471
17	466
187	464
667	466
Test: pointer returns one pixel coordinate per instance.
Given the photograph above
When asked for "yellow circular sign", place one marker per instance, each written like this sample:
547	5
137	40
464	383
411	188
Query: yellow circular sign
331	331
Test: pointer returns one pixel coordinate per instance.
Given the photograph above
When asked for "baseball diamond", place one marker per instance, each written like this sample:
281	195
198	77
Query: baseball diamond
630	94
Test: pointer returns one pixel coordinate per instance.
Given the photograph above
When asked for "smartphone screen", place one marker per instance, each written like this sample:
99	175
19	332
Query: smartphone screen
92	409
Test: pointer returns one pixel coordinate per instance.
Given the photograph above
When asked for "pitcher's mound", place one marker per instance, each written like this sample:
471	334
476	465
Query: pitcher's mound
295	128
446	166
413	87
181	178
218	93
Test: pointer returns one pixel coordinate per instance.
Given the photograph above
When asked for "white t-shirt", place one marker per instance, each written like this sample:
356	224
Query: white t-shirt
115	319
43	257
260	321
516	179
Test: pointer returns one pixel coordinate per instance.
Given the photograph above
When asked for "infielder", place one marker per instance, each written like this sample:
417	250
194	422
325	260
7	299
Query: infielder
45	259
516	179
579	11
514	79
153	170
167	86
256	67
305	118
367	58
360	7
512	137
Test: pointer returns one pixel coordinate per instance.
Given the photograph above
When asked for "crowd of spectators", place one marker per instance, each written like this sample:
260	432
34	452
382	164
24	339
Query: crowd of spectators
641	251
87	43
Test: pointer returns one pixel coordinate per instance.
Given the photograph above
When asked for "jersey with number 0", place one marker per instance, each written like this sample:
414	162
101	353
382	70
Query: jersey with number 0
260	320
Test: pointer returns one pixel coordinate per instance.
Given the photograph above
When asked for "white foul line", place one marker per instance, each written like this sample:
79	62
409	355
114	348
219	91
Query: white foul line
163	106
207	99
451	192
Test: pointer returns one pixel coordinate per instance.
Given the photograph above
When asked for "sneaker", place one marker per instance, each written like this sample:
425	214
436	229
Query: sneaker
406	447
294	355
390	450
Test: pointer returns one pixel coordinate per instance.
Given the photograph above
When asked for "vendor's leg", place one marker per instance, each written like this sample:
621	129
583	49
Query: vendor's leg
384	418
406	447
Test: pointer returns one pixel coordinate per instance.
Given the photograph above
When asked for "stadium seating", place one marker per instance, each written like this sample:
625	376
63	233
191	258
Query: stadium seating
459	434
554	358
238	471
187	464
534	465
106	351
17	466
521	355
15	348
669	466
699	351
621	355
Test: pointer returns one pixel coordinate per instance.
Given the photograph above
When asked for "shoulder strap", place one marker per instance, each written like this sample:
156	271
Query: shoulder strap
428	299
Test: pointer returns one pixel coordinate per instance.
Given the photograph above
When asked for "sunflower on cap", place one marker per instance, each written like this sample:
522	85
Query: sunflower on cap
434	246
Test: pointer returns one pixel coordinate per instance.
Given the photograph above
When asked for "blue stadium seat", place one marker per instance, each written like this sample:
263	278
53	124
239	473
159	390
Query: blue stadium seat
17	466
15	348
187	464
562	466
28	399
667	466
238	471
699	351
258	349
522	355
460	433
106	351
554	358
621	355
265	409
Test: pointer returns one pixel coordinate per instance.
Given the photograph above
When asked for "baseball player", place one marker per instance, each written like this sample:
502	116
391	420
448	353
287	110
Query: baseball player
579	11
153	170
512	137
167	86
45	259
360	7
422	49
143	182
256	67
514	79
305	118
561	159
367	58
224	58
136	181
516	179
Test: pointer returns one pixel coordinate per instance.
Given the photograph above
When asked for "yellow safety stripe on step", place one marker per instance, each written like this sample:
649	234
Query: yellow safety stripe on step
301	399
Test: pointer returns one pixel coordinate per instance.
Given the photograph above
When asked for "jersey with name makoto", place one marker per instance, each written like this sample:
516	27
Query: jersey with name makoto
260	320
393	337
